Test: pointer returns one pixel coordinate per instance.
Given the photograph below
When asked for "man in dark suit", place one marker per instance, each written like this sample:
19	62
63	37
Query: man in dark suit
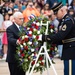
13	36
65	36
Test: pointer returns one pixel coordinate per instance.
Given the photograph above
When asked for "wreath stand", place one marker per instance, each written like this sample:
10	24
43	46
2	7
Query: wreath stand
45	53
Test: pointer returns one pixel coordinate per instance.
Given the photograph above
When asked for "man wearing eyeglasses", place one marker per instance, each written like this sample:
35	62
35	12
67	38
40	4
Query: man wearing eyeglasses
65	36
13	36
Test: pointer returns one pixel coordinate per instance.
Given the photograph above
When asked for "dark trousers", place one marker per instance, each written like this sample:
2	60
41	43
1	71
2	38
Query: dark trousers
69	67
15	69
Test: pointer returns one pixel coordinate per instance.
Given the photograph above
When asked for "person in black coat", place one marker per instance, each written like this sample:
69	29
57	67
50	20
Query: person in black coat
9	1
51	2
13	36
65	36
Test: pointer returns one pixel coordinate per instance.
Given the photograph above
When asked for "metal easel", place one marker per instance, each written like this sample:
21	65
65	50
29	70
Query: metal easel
45	53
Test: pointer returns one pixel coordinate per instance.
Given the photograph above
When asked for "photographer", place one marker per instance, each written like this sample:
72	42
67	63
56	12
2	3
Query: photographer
29	11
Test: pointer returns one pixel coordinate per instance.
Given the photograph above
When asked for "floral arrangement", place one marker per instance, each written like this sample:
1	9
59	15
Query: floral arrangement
30	45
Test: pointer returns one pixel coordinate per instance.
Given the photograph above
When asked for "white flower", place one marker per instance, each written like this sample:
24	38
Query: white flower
21	46
28	28
34	22
51	30
37	64
34	29
24	44
40	37
38	32
20	59
32	50
43	61
34	36
36	43
29	43
32	54
55	48
30	32
39	61
37	23
26	36
48	50
23	37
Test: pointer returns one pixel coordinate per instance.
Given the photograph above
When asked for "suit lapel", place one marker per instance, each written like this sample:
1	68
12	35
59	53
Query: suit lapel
16	30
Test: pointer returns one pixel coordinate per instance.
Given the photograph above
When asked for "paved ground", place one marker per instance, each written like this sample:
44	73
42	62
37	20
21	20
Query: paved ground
58	67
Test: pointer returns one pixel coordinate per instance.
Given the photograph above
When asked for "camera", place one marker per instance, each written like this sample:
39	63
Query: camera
30	5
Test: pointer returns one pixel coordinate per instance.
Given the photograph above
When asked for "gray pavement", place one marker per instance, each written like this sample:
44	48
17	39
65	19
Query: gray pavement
58	67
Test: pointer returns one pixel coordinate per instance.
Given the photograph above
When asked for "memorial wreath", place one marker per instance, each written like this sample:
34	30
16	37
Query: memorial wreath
30	45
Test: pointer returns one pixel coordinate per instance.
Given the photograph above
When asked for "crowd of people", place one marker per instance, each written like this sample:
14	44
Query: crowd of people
27	7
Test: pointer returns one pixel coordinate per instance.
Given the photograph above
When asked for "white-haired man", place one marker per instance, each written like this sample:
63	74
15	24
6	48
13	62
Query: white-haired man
65	36
13	36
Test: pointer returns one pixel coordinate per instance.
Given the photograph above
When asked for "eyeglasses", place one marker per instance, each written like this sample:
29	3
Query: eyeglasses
21	18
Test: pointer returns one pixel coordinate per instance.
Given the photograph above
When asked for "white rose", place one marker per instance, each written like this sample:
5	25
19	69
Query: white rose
43	61
23	37
21	46
37	23
37	64
24	44
55	48
40	37
36	42
32	50
38	32
30	32
26	36
39	61
34	22
34	36
51	30
48	50
28	28
29	43
34	29
32	54
20	59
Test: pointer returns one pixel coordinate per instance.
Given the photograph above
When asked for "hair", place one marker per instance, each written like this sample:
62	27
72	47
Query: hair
16	14
5	15
30	1
64	8
45	5
71	10
38	6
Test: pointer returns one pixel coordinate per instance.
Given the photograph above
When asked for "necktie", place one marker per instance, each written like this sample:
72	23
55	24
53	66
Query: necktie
20	28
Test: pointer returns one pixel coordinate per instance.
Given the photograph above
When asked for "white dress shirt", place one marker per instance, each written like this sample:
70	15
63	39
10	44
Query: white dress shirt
17	26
